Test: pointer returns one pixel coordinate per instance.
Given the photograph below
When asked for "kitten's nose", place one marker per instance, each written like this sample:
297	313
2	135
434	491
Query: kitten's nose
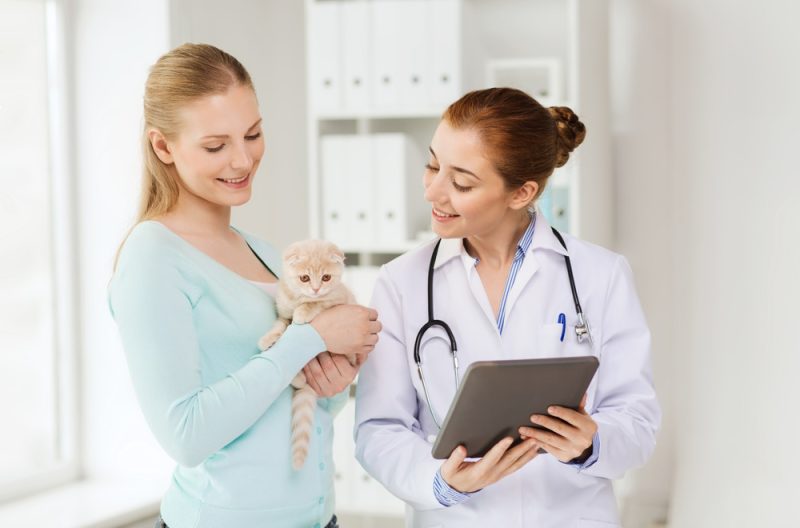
316	290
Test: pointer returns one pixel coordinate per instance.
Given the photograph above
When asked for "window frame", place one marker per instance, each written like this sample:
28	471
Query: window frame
63	264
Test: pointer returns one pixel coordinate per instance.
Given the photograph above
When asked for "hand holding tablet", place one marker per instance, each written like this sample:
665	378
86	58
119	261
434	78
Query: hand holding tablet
496	399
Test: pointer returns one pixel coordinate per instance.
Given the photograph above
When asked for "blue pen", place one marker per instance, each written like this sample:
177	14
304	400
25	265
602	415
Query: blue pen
562	320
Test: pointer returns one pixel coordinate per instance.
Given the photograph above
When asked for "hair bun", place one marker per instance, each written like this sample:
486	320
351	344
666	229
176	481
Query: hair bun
571	132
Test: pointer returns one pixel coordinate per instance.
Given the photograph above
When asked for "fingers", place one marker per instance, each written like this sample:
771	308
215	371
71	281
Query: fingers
372	314
454	461
530	452
329	366
497	451
312	382
582	406
315	371
547	439
562	415
374	327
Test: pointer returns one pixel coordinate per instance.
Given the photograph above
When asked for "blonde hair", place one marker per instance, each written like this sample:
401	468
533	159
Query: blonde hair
179	77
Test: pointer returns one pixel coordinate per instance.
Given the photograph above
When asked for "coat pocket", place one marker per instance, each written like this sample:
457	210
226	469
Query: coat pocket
556	340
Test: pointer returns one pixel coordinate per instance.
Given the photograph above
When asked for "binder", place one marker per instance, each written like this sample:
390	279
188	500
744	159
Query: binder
415	64
445	42
388	39
355	55
325	56
333	168
401	210
359	190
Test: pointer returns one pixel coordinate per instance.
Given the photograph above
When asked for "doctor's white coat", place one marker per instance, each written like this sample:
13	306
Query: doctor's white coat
393	426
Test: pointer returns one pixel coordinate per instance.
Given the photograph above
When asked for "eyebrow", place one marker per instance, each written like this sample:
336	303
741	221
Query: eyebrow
457	169
222	136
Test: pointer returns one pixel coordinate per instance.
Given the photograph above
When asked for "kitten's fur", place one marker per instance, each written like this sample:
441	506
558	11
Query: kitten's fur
296	300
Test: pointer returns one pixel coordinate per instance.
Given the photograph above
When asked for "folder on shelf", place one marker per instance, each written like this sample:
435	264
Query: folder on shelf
387	44
355	32
444	52
360	213
325	56
397	170
333	169
414	66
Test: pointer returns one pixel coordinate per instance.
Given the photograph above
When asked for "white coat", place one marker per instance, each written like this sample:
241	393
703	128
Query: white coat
393	428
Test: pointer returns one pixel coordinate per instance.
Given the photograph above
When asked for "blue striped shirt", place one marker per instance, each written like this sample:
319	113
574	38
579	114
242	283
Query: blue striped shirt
522	248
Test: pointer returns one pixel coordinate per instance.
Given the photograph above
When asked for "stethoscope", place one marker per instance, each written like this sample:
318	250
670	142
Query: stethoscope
581	329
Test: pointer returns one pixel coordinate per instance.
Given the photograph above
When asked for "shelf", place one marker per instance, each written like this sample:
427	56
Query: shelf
388	249
400	113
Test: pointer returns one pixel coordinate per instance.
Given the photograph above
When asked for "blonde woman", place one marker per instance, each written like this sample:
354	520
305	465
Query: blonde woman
191	296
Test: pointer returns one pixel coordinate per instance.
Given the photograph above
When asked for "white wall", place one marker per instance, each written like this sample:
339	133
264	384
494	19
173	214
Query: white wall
734	111
705	97
638	48
115	43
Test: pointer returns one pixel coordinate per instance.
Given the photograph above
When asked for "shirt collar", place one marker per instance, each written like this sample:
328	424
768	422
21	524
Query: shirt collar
538	235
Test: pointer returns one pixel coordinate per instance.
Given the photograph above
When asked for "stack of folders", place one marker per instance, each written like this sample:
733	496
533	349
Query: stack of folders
384	55
372	193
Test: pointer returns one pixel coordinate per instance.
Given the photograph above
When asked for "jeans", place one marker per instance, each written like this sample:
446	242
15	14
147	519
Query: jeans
161	524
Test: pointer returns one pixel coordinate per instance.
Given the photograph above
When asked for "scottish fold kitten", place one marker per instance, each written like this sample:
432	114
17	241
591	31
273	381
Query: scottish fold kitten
312	273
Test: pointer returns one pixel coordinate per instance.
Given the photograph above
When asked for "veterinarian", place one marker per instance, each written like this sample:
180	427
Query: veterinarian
499	280
191	296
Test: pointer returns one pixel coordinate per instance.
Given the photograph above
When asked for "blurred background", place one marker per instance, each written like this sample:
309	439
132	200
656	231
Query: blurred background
690	169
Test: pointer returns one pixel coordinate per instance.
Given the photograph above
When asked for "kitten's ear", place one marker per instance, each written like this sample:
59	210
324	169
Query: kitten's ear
292	254
336	255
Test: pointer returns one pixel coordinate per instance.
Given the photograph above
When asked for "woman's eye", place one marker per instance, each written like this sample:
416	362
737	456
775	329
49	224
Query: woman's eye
430	167
461	188
253	137
326	278
214	149
305	278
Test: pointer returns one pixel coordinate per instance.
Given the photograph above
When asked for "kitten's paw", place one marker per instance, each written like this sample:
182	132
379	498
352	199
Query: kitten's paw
299	381
268	339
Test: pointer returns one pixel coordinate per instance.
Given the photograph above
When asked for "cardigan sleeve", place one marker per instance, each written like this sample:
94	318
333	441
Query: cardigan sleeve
152	302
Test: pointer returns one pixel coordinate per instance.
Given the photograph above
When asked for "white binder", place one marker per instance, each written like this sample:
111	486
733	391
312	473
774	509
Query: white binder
388	39
415	62
325	56
398	170
333	167
360	213
355	55
444	44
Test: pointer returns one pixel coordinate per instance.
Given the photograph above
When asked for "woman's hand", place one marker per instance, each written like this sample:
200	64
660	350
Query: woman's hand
498	463
330	374
570	432
348	329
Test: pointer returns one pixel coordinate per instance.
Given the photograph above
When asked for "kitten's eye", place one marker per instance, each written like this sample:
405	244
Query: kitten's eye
304	278
326	278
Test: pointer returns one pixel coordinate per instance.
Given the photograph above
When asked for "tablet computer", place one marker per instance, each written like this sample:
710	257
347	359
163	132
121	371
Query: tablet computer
495	398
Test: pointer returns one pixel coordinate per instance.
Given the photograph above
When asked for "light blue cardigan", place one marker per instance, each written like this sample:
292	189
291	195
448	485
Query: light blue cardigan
218	406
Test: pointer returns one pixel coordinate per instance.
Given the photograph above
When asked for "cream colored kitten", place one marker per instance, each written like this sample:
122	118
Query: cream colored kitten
312	282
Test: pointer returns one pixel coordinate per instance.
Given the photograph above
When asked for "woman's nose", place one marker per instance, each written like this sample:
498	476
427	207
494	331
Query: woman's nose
241	159
434	191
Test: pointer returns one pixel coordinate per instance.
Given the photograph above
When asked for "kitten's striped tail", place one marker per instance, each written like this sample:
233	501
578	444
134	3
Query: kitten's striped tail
304	401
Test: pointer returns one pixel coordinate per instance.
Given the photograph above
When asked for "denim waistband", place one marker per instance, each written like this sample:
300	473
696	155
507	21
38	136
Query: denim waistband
334	523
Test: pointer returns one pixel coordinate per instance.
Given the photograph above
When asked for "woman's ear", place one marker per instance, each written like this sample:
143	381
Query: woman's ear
159	144
523	197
